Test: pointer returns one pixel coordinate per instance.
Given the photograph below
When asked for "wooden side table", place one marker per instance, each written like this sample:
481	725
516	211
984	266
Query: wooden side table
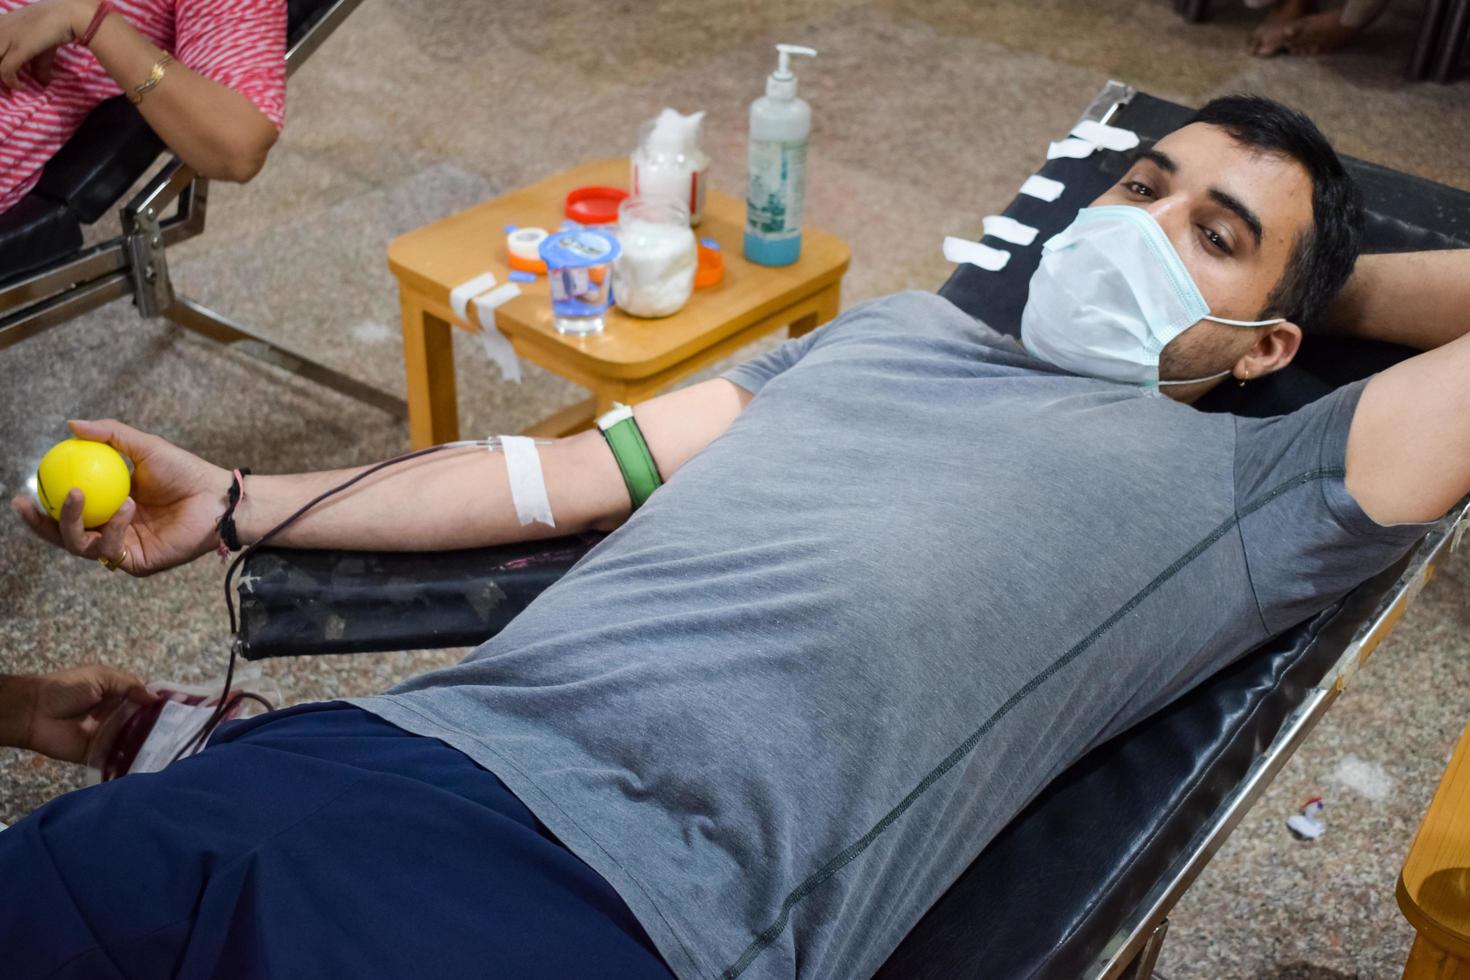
1434	886
632	359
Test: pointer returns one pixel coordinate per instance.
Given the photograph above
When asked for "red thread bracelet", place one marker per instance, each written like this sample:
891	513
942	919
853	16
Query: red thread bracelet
103	9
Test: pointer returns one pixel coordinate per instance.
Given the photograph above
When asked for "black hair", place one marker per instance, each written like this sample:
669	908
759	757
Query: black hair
1322	258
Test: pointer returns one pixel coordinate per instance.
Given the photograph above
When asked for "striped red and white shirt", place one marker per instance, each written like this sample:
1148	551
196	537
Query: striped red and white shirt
239	43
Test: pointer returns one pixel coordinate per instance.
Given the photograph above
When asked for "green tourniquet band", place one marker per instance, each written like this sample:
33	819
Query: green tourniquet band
640	473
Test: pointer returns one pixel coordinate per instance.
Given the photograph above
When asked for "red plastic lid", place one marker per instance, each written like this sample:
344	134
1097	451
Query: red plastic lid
594	205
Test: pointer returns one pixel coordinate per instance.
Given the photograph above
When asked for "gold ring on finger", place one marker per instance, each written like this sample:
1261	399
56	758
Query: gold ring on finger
112	564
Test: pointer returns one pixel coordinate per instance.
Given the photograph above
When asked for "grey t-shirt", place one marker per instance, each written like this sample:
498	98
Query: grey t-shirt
785	705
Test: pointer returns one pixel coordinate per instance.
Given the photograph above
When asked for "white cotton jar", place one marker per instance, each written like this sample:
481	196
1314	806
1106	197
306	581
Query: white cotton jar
653	275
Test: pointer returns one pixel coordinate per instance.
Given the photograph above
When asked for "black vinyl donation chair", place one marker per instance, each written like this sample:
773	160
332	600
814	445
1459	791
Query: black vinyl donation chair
1080	883
46	275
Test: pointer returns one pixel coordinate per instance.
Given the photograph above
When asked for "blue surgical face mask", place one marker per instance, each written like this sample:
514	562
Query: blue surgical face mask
1110	294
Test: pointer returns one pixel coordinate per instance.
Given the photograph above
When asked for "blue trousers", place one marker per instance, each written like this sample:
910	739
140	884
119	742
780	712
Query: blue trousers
319	841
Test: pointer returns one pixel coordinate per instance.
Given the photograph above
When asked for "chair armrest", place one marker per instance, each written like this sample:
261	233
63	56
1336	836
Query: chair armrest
296	602
109	152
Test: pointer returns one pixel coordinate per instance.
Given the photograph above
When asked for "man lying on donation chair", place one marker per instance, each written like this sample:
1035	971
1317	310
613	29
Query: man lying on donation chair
905	570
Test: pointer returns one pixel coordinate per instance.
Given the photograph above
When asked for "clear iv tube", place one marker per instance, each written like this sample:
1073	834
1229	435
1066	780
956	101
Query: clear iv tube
225	701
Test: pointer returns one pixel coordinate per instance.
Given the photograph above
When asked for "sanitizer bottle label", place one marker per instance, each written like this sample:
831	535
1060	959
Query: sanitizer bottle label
777	179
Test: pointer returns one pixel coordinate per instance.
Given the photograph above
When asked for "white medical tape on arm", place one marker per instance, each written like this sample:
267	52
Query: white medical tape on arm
460	296
1108	137
1008	229
1043	187
527	485
960	250
497	345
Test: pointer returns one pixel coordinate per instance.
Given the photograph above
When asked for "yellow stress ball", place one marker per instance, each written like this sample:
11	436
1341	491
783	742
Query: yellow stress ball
95	468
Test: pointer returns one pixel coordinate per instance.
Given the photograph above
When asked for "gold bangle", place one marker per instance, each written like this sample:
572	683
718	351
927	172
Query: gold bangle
155	75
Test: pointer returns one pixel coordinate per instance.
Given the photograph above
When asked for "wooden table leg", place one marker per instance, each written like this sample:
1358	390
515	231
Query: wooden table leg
428	356
605	398
1428	962
826	303
567	421
581	415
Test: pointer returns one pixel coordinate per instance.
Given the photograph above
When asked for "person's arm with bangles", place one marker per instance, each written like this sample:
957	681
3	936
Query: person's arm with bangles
214	129
456	498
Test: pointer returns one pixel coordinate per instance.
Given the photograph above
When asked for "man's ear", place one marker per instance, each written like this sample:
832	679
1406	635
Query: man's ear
1273	350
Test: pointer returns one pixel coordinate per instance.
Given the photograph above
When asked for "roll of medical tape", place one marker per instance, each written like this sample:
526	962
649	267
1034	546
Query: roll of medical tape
523	247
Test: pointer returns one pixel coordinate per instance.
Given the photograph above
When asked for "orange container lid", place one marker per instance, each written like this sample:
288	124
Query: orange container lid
711	267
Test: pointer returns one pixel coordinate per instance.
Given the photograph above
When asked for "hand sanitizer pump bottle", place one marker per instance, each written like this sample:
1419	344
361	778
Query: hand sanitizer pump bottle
779	126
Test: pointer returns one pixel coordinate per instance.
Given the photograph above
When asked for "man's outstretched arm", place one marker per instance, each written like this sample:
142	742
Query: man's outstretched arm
457	498
1408	457
1418	299
460	498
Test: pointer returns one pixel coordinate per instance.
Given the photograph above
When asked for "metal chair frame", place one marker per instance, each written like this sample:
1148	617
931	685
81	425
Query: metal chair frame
1137	945
136	262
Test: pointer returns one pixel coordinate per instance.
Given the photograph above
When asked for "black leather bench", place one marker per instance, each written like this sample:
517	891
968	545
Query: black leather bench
1080	883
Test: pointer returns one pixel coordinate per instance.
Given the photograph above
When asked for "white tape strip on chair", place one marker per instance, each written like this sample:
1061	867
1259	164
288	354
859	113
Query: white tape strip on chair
1043	188
1008	229
961	250
1071	148
1108	137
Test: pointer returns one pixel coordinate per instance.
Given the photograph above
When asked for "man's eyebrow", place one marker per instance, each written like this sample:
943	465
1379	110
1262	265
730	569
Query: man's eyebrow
1160	159
1244	213
1166	163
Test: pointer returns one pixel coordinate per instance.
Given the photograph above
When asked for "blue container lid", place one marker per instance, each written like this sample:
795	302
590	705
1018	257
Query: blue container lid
579	248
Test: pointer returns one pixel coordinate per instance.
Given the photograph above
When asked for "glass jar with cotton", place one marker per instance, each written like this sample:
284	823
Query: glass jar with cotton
653	274
668	161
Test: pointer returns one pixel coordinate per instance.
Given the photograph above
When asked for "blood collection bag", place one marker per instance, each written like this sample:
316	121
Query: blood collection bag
147	737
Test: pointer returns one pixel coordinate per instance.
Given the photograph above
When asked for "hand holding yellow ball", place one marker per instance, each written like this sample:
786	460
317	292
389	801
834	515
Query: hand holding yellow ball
95	468
161	513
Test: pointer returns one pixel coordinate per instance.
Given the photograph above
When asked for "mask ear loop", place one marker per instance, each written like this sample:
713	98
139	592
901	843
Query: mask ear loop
1228	323
1245	323
1195	381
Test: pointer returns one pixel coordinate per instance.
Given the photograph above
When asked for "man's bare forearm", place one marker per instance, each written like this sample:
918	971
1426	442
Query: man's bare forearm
455	498
1418	299
460	498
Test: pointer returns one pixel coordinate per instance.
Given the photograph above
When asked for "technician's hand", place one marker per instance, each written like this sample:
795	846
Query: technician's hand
32	34
58	714
169	519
